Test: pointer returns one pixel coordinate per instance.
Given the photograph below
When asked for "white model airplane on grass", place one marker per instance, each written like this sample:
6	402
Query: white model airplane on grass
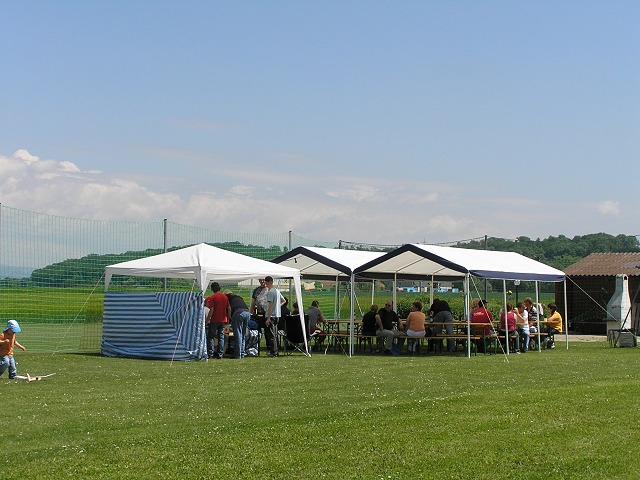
29	378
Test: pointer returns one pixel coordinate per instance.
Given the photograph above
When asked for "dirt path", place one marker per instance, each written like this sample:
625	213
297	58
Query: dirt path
581	338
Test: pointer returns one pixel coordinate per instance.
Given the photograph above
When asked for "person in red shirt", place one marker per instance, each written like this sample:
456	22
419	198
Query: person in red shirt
508	328
217	319
481	321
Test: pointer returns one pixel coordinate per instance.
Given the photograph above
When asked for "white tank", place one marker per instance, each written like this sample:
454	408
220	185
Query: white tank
618	314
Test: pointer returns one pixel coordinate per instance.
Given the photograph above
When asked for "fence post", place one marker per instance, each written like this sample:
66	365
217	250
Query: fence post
164	247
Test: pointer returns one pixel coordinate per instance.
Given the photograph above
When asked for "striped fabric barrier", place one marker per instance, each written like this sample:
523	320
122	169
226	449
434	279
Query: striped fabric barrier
154	325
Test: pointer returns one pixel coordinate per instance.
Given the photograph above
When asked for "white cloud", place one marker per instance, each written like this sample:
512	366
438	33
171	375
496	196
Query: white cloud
68	167
244	190
609	207
25	156
355	193
324	207
62	188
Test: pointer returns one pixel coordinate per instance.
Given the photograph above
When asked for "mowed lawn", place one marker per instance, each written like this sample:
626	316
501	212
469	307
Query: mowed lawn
555	414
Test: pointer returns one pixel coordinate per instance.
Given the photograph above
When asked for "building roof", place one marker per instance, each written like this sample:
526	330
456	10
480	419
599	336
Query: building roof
606	264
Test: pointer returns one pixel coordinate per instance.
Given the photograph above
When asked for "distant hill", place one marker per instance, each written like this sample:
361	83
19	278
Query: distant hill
88	270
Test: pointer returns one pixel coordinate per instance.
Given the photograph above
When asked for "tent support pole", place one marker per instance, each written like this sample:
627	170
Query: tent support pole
298	293
566	318
431	291
373	291
335	302
506	323
164	249
395	288
538	315
466	309
351	315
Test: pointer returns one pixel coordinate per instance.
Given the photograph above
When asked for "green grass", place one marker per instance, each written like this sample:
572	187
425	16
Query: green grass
555	414
64	305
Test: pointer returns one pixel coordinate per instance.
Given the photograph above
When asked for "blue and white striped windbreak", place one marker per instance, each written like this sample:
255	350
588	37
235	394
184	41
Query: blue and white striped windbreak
162	326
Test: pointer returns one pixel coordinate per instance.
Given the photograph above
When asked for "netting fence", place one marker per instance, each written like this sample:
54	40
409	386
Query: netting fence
52	268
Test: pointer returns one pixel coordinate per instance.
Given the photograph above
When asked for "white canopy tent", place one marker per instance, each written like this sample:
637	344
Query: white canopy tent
329	264
204	263
415	261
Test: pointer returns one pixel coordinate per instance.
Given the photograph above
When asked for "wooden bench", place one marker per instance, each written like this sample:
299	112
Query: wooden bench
340	340
436	341
533	336
543	336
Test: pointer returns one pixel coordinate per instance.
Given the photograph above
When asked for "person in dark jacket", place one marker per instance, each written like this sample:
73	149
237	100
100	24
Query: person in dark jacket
240	316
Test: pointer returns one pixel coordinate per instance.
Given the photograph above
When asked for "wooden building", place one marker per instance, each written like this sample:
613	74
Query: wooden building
591	283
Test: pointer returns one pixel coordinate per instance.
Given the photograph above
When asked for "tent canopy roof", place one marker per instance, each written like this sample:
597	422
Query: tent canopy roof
325	263
202	262
415	261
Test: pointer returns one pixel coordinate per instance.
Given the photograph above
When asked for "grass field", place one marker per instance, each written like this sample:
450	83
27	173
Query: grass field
555	414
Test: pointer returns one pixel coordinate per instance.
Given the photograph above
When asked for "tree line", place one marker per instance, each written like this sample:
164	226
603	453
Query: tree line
558	252
88	270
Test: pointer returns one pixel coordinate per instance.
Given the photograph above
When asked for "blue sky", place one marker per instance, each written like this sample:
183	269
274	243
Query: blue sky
369	121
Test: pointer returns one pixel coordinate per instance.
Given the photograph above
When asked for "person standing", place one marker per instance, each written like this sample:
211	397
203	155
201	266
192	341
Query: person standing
259	308
239	322
218	318
275	301
7	342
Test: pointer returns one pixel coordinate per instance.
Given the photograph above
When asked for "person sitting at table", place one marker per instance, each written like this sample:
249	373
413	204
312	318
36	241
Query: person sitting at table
385	320
474	306
555	324
441	316
414	326
315	315
284	308
533	315
369	326
522	325
508	328
481	322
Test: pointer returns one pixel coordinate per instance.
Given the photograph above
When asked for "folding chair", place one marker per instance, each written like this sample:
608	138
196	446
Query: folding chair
292	334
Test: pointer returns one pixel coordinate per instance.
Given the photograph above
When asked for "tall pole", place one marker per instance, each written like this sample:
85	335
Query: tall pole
291	286
486	247
0	231
164	247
